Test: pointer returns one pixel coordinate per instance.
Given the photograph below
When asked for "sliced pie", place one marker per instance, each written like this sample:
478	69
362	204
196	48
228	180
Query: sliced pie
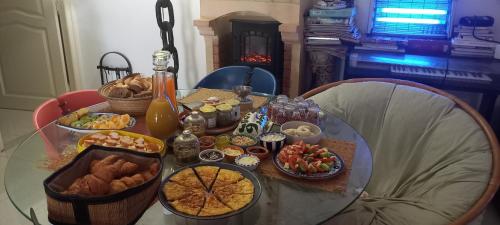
187	178
213	207
226	177
190	204
235	201
207	174
244	186
174	191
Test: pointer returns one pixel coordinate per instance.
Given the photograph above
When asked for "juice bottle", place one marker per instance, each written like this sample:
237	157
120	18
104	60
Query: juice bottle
171	89
161	118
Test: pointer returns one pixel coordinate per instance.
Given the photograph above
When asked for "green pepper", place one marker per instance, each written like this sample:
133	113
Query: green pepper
325	155
303	168
324	167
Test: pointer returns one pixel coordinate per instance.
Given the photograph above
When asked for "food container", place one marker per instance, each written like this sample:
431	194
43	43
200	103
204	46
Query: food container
222	141
243	141
236	111
231	152
224	116
273	141
312	139
259	151
124	207
186	148
80	147
249	162
210	114
207	142
211	155
195	123
136	106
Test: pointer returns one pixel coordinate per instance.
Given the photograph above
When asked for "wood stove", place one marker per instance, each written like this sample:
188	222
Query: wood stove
258	44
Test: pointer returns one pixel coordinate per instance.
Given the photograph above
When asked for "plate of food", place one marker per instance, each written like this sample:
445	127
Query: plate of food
310	162
209	191
84	121
122	139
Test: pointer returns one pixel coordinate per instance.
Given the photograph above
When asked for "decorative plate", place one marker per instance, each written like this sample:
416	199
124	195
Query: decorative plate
86	130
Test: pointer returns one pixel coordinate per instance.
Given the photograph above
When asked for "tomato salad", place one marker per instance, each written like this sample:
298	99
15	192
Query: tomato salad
305	158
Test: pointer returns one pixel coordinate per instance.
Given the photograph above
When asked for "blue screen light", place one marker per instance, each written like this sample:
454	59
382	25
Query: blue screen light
414	11
409	20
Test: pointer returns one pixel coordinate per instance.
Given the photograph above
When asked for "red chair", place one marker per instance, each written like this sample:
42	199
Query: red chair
46	113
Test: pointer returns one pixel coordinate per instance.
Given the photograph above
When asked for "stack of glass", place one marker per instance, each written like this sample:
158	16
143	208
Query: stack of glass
284	109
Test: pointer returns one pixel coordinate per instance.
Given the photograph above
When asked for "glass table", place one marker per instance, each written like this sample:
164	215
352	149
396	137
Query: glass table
281	203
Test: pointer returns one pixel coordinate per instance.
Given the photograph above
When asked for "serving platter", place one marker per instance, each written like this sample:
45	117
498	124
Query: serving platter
336	169
246	173
130	124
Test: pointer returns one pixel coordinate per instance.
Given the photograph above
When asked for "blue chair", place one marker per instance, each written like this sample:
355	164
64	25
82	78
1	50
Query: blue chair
227	77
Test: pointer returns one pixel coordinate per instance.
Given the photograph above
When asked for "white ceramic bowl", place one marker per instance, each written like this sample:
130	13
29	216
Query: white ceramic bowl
203	153
250	167
290	139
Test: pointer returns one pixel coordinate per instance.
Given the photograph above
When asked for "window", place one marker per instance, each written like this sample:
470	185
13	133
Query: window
426	18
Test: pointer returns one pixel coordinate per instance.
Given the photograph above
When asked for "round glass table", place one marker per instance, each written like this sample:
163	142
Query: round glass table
281	203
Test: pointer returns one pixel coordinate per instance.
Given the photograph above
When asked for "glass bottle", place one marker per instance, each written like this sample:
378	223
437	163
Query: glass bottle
161	118
186	148
195	123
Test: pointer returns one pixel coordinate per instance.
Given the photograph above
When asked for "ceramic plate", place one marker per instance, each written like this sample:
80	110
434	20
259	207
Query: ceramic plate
85	130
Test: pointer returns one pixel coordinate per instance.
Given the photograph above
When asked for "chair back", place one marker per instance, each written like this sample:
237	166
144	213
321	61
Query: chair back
263	81
225	78
46	113
72	101
110	73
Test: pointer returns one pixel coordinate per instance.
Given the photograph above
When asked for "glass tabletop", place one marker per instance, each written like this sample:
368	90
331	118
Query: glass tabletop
281	203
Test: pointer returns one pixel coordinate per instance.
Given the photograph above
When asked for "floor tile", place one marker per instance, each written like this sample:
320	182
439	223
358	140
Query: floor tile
14	123
9	214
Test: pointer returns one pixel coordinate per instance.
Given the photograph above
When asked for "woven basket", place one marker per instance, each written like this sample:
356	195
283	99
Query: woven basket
132	106
117	209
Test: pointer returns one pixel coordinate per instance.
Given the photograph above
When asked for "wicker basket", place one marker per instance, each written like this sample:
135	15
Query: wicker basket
132	106
122	208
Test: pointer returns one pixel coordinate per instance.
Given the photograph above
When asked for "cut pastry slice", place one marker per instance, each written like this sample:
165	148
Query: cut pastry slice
235	201
226	177
187	178
244	186
207	174
174	191
191	204
213	207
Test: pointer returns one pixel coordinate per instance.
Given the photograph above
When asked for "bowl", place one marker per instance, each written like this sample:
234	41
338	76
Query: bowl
247	161
207	142
242	91
243	145
274	145
290	139
211	155
259	151
231	156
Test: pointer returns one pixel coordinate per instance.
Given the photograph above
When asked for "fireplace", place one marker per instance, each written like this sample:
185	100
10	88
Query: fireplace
258	44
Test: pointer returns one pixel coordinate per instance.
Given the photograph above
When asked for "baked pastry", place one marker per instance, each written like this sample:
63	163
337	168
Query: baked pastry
244	186
134	85
114	139
214	207
207	174
174	191
191	204
187	178
226	177
236	201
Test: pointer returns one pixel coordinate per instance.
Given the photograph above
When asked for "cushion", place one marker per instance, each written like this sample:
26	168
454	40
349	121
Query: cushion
431	160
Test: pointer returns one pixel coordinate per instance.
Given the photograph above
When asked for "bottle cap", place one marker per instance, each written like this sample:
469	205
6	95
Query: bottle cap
161	58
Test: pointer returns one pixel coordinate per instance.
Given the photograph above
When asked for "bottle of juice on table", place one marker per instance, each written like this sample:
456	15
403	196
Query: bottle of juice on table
161	117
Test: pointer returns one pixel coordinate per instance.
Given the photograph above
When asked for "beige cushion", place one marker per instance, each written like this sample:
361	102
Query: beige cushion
431	161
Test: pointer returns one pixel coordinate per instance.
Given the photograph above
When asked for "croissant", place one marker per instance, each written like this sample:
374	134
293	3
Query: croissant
128	168
117	186
153	168
138	178
128	181
96	185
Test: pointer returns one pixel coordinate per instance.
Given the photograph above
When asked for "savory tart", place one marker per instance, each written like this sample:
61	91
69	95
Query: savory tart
174	191
187	178
213	207
191	204
207	174
244	186
236	201
226	177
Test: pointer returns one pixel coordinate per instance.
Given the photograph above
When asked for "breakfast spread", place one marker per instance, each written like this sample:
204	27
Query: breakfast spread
82	119
132	86
301	131
115	139
110	175
307	159
190	191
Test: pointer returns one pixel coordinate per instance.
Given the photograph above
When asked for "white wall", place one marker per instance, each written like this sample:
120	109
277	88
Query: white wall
129	26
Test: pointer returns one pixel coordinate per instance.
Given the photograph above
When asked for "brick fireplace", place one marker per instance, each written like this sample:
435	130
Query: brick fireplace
215	25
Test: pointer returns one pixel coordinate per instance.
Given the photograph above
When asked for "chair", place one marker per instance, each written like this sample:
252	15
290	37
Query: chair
109	73
436	160
227	77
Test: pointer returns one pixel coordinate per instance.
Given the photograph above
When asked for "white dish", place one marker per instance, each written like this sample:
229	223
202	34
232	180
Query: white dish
313	139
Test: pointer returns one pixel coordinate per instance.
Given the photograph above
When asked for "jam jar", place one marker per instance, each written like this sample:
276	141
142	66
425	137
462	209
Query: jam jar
210	114
236	111
195	123
186	148
224	116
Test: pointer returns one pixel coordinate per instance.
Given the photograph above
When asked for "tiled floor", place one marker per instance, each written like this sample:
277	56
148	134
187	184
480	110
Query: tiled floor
15	126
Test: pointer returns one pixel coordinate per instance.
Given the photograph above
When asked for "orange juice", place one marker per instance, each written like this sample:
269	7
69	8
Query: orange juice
161	119
171	91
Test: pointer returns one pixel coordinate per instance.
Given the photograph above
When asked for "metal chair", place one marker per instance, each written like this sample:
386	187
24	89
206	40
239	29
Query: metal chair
113	73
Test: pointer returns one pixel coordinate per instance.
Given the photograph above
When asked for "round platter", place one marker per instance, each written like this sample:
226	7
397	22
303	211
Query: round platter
210	131
337	168
85	130
246	173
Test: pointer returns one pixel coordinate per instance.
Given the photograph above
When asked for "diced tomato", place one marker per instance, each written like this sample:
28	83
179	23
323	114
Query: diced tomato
325	160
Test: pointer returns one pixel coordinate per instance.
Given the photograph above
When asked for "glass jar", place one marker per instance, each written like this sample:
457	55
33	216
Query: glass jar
313	115
236	111
186	148
161	118
210	114
195	123
224	116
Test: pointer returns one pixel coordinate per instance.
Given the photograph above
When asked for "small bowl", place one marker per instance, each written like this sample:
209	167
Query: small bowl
249	166
207	142
290	139
205	155
230	157
244	146
261	152
275	145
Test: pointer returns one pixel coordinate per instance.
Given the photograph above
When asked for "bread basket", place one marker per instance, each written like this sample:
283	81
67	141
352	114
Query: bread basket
125	207
136	106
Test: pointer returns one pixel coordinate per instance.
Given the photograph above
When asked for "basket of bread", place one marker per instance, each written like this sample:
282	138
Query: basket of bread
131	94
103	185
